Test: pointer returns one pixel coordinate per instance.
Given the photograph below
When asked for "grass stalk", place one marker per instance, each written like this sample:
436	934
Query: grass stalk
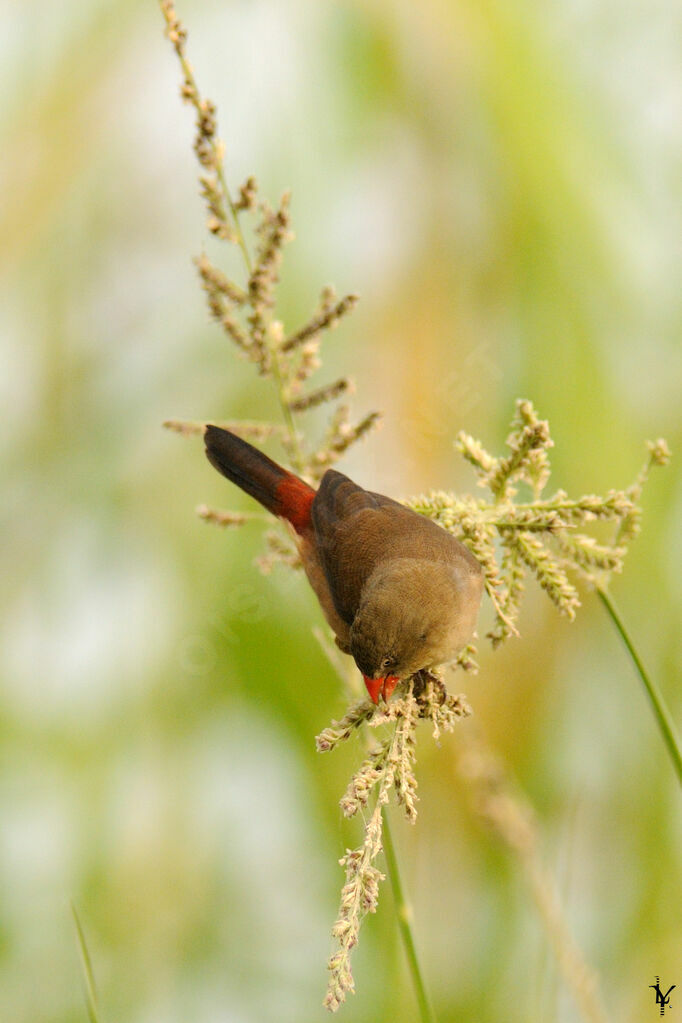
663	716
88	975
404	914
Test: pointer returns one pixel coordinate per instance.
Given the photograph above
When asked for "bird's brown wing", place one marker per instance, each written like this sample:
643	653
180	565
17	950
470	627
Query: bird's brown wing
355	529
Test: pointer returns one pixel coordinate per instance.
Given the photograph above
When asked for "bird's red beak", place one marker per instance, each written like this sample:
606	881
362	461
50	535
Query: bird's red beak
377	687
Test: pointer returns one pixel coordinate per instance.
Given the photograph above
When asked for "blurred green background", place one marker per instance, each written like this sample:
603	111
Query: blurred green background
501	183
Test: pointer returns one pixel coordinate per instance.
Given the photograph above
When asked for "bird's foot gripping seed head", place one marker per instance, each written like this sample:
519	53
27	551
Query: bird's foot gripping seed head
377	687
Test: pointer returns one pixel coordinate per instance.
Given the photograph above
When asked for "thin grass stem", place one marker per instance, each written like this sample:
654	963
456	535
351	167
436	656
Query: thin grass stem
663	716
404	914
88	975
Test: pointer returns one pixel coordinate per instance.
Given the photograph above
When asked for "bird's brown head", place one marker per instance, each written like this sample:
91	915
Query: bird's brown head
415	614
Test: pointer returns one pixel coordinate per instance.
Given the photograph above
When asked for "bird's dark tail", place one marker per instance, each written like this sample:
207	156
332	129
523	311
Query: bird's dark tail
275	488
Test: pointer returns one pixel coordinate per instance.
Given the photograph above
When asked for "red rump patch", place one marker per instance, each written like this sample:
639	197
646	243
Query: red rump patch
294	498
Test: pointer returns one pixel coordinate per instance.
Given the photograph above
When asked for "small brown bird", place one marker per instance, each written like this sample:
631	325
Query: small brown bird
400	592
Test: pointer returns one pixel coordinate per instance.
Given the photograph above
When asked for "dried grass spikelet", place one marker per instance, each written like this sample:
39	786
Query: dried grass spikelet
249	430
323	394
247	195
221	518
340	435
280	550
326	319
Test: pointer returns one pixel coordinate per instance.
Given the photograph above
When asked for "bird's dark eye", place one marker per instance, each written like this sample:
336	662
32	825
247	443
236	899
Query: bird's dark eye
387	662
423	637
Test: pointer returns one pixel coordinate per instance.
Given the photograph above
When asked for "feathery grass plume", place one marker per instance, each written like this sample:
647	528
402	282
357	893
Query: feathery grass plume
541	535
389	766
246	311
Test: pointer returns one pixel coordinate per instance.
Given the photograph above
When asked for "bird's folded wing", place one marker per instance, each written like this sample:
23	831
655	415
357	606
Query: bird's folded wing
356	529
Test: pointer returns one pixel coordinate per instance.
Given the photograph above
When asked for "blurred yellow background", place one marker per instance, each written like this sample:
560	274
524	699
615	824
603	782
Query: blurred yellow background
501	183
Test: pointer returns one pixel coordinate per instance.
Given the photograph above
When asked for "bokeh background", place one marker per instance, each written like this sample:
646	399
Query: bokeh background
501	183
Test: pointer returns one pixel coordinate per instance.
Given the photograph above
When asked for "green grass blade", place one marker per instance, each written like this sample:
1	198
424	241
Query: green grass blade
663	716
